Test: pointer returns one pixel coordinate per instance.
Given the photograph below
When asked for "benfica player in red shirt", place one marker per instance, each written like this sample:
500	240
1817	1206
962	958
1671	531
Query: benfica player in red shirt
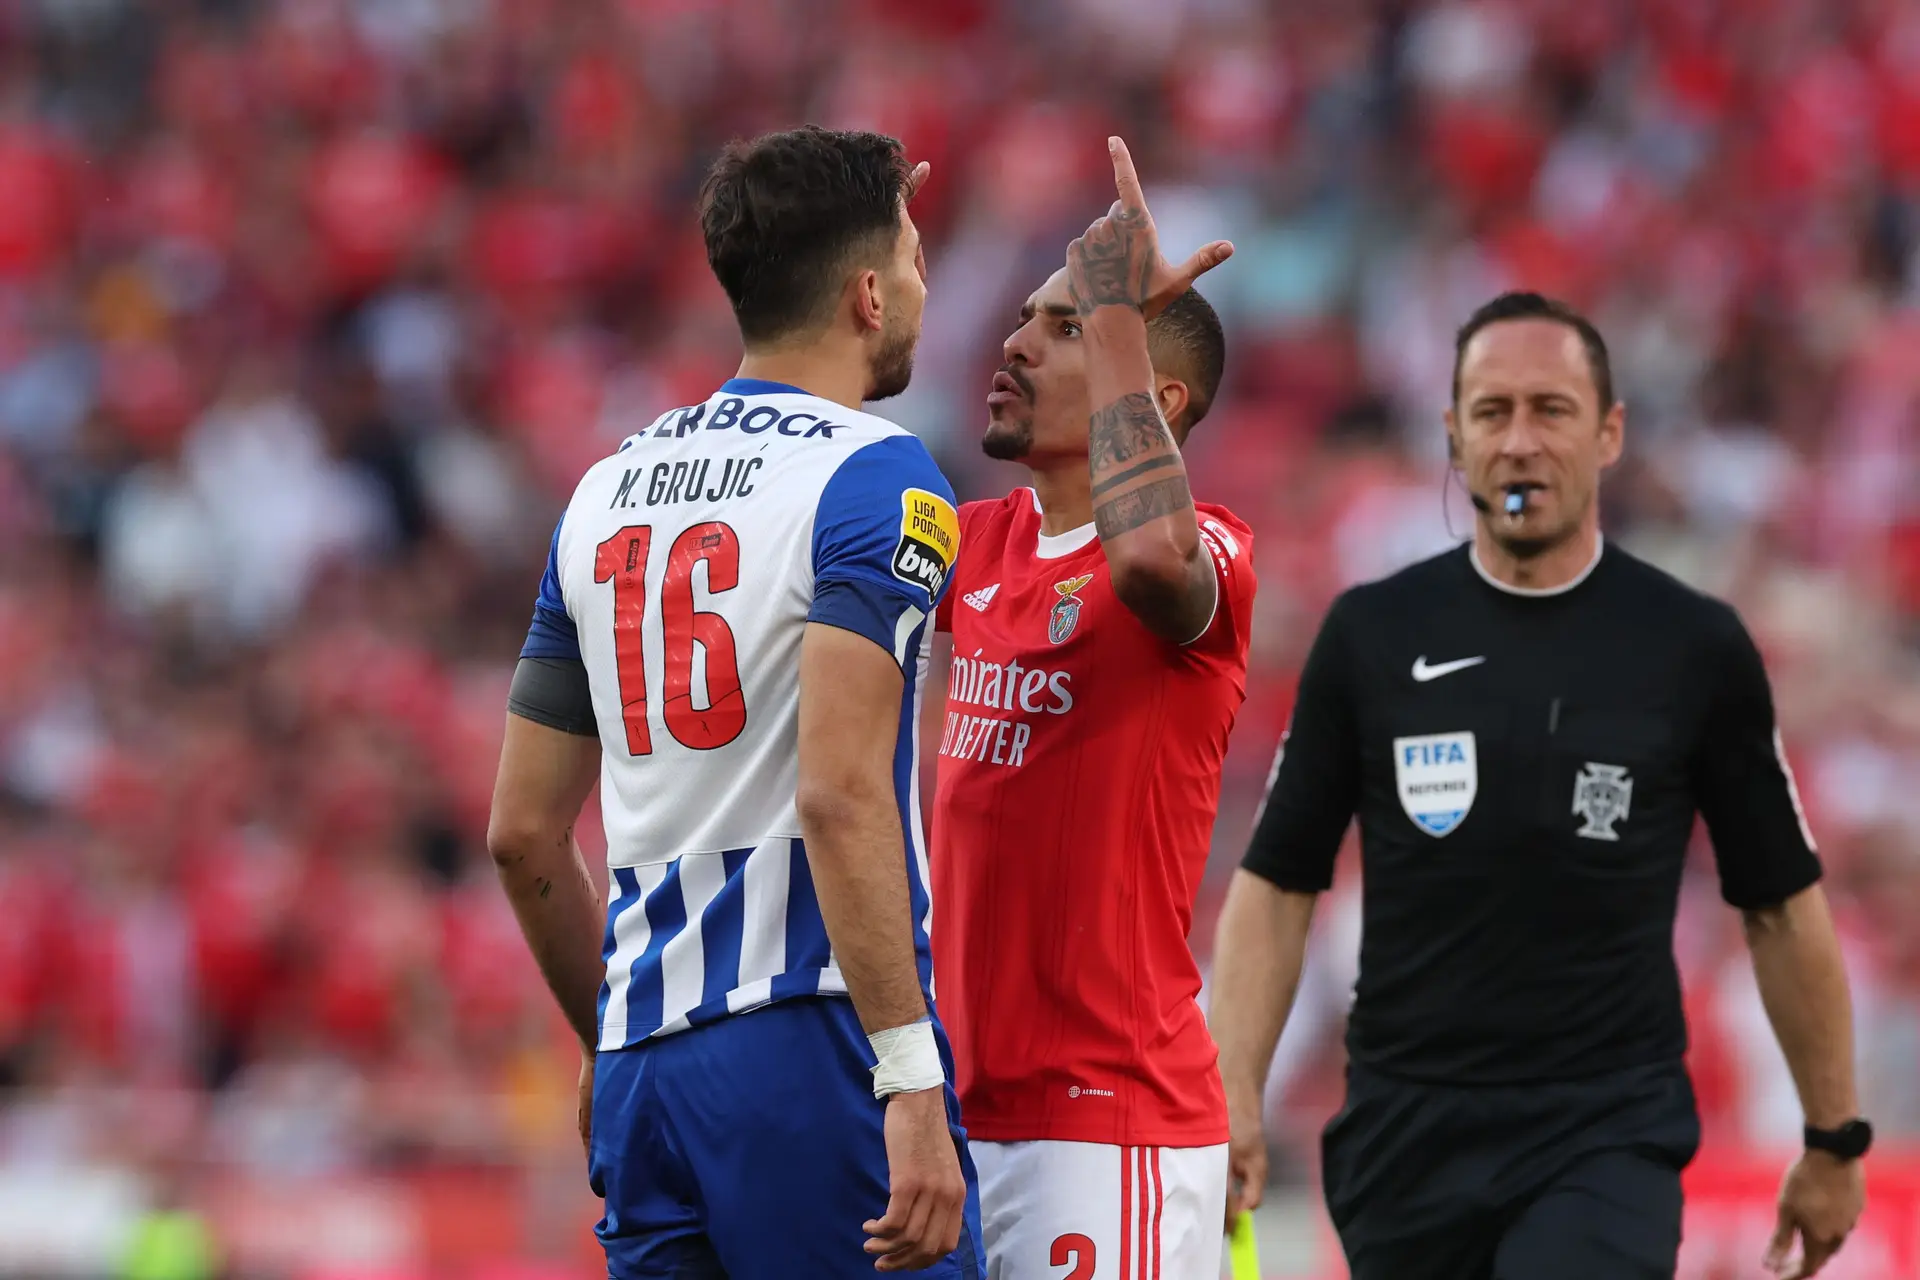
1099	623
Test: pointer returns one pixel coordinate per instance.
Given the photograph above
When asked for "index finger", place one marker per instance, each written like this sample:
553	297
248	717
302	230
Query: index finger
1125	180
888	1225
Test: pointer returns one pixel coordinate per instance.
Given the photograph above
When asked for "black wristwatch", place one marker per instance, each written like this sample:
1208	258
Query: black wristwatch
1849	1142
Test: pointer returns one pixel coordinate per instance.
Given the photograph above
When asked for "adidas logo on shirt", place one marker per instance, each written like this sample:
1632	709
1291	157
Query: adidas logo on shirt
982	598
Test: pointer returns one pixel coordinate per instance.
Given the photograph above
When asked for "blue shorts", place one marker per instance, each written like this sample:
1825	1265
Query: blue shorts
753	1149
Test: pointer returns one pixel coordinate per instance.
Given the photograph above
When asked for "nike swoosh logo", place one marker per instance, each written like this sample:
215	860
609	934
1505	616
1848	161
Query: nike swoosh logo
1423	673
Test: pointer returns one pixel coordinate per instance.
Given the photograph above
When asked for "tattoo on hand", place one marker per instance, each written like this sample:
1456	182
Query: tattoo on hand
1109	266
545	886
1124	430
1138	506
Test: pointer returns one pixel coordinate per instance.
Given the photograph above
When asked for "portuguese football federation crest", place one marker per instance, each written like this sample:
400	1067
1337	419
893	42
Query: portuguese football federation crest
1066	611
1601	795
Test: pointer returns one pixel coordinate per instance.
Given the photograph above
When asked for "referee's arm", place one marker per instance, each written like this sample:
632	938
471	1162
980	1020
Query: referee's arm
1770	871
1261	943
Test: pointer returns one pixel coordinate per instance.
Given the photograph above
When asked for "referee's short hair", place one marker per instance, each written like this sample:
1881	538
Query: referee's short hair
1534	306
1187	342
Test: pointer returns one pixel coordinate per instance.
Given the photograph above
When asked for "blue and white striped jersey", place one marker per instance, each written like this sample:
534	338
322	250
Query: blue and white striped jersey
683	573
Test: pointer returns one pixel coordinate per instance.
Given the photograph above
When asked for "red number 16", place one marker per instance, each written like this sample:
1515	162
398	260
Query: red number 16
622	559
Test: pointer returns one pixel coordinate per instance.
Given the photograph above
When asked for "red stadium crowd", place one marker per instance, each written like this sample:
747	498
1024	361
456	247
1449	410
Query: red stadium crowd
312	312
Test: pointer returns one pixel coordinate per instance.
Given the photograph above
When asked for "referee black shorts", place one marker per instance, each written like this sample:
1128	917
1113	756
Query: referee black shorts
1568	1181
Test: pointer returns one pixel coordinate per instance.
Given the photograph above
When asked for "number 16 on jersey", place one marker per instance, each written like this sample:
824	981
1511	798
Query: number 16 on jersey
622	560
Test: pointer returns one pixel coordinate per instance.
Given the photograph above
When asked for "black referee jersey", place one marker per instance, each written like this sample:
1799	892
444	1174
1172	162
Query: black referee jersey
1526	767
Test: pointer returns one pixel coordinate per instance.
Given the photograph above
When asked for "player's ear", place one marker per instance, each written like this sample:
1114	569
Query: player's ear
869	312
1172	396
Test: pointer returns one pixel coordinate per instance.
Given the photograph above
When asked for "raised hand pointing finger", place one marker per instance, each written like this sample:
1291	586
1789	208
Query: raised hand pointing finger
1118	263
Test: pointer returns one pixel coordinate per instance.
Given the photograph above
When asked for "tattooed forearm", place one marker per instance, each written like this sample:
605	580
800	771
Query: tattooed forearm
1130	430
1139	483
1124	430
1160	463
1138	506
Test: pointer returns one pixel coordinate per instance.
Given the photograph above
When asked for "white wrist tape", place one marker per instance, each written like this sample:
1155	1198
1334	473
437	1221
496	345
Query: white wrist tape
909	1059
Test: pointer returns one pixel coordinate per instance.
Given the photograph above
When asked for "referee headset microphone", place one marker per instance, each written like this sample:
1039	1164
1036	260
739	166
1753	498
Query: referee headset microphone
1515	502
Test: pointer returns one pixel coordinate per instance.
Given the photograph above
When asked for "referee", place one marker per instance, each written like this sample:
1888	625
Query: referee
1526	727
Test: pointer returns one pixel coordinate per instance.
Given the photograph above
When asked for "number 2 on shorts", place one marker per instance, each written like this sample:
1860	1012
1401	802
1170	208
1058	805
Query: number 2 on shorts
1077	1249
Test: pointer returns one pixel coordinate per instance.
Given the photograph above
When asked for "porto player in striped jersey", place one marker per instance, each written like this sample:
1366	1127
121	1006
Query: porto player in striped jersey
730	636
1100	623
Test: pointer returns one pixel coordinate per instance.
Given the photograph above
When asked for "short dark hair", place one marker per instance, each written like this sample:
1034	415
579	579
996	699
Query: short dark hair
1188	333
786	216
1534	306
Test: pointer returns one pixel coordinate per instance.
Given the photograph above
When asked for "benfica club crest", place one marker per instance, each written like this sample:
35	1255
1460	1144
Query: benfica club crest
1066	613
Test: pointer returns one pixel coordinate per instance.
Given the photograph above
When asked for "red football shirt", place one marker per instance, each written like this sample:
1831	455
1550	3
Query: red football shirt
1079	779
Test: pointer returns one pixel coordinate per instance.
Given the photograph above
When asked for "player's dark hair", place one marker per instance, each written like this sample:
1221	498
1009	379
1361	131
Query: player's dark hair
1533	306
788	215
1187	339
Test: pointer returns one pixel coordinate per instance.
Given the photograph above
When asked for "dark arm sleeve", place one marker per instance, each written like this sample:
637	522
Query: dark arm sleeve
1315	783
1745	788
553	692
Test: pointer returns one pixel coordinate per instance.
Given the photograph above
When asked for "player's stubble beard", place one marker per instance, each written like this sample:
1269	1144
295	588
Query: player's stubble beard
1009	439
893	363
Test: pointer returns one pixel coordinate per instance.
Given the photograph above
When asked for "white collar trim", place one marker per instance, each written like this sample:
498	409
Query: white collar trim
1054	545
1473	555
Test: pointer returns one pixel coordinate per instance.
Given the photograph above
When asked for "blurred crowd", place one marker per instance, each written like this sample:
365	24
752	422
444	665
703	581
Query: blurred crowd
312	311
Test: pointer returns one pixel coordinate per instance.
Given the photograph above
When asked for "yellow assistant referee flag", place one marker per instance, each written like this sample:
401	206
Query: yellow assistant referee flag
1242	1250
